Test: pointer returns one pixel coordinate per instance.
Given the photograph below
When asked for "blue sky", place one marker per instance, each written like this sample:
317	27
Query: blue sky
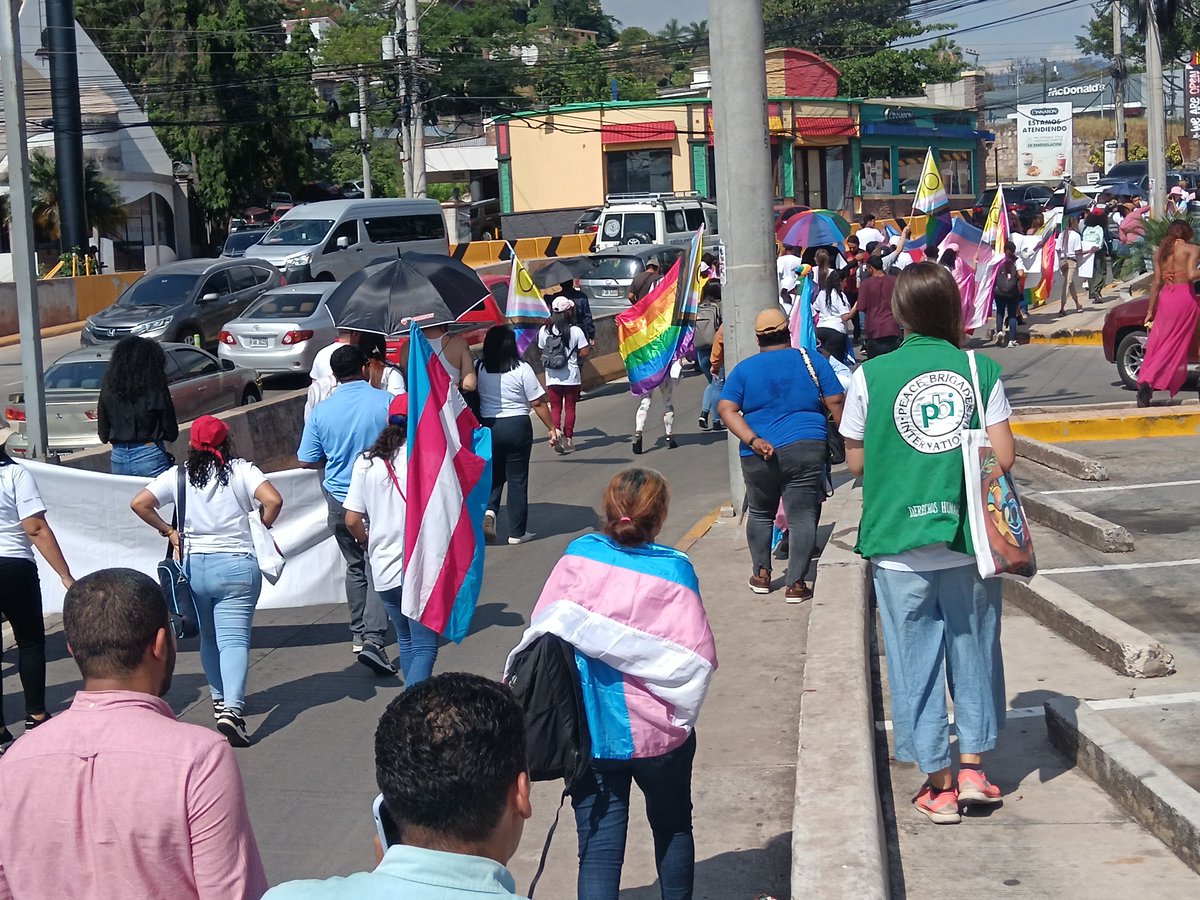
1051	34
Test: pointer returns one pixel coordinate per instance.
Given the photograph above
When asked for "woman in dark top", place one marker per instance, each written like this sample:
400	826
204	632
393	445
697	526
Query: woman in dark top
135	413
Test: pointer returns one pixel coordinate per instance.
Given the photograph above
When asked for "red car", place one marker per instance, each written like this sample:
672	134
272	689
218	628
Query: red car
1124	336
475	324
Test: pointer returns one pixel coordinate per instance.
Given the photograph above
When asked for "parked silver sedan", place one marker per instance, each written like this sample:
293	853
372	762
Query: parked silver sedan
282	332
200	385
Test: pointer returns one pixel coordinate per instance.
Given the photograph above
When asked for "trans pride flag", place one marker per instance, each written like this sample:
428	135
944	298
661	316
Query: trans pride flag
525	309
449	478
989	256
656	330
642	642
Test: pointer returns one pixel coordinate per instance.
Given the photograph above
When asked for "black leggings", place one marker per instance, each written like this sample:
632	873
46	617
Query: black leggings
21	603
512	444
833	342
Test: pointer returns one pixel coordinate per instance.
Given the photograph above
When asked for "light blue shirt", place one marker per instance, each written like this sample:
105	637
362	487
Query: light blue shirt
412	873
341	427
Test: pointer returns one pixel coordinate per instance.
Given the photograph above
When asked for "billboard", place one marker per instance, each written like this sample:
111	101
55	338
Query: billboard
1043	141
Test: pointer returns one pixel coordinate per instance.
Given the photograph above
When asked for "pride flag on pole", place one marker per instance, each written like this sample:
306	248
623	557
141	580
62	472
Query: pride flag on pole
933	201
989	255
655	331
525	309
449	478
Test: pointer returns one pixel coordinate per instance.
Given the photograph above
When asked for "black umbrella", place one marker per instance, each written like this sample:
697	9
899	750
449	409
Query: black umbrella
563	270
386	298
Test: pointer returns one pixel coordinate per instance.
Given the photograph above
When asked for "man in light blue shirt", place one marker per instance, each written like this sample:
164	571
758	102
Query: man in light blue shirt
338	430
450	760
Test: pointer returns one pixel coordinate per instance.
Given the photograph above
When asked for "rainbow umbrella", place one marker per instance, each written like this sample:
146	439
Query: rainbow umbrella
814	228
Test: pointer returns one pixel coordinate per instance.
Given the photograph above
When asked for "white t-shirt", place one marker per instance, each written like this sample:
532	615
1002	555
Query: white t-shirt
867	235
854	426
576	342
785	271
19	499
320	367
1072	244
323	387
830	309
507	394
216	518
373	493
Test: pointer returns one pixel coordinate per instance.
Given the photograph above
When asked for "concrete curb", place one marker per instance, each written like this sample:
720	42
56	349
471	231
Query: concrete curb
1066	337
1077	524
1123	648
9	340
838	856
1154	795
1108	423
1066	461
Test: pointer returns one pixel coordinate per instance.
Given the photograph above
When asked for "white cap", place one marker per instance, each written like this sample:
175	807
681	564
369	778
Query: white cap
562	304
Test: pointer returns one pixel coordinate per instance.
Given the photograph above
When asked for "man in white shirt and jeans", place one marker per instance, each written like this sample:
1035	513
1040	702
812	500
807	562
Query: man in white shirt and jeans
1069	251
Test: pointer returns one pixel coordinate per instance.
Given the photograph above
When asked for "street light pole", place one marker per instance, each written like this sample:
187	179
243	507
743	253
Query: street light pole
743	156
364	133
412	51
1119	79
24	262
1155	115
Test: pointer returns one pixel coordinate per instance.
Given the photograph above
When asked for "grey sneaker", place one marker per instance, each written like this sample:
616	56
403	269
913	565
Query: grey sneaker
375	658
521	539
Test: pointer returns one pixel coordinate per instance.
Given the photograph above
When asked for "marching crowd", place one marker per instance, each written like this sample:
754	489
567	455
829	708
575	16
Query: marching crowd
120	799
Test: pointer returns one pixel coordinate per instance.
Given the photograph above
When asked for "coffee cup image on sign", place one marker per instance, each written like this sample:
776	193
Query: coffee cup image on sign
1026	159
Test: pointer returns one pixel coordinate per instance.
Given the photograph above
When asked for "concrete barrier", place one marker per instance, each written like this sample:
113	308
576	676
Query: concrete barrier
838	855
62	301
1075	523
1066	461
1117	644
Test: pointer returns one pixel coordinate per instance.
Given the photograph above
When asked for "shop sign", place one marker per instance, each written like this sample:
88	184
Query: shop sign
1044	132
1192	95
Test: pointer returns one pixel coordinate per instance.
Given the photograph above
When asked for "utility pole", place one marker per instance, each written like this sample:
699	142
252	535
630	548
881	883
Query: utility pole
1119	79
68	124
399	53
364	133
412	53
744	192
1155	115
1045	92
24	262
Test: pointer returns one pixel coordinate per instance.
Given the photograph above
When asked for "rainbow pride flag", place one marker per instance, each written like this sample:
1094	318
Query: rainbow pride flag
655	331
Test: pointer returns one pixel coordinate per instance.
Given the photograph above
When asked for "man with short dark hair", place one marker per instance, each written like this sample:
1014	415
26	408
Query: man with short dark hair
644	281
339	429
450	761
867	232
875	303
114	797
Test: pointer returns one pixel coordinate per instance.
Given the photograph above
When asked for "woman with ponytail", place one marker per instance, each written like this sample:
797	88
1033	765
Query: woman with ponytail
375	515
217	551
1171	316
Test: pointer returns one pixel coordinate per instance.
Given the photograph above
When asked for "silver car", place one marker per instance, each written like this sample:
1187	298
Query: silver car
613	271
282	332
200	384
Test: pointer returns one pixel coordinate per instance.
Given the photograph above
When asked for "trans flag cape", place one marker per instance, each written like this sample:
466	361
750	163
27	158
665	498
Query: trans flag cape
449	478
656	330
525	309
803	325
642	642
989	255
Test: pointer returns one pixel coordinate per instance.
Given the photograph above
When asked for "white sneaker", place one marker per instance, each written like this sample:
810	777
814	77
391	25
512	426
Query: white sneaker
489	526
1013	344
527	536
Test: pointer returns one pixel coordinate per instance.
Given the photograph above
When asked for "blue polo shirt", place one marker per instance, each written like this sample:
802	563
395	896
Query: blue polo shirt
411	873
778	398
341	427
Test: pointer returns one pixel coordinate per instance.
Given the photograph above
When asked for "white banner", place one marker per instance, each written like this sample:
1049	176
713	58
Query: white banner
90	515
1044	133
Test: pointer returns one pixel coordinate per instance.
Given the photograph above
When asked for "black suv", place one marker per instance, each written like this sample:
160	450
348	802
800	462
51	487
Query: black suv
1026	200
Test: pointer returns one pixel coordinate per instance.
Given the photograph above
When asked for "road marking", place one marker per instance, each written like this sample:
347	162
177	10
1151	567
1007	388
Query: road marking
1077	570
1030	712
699	530
1122	487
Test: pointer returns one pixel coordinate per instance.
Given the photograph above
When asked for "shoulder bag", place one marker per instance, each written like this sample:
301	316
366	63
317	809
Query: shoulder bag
835	444
999	526
270	558
177	592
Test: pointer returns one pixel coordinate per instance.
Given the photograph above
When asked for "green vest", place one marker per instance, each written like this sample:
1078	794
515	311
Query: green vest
919	399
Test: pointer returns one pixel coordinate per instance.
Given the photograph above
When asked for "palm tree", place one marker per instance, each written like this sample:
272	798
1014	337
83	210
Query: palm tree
947	49
697	32
101	198
672	32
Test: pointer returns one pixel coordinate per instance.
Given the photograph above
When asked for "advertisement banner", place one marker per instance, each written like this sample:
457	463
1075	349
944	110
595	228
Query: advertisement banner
1191	93
1043	141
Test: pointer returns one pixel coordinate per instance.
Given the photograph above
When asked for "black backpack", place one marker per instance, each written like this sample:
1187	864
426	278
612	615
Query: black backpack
544	679
1007	282
554	354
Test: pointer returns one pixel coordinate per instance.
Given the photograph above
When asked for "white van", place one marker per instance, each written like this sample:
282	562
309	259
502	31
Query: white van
655	219
331	239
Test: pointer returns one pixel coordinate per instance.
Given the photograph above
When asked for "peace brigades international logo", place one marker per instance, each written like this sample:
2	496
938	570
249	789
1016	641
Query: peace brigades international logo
932	409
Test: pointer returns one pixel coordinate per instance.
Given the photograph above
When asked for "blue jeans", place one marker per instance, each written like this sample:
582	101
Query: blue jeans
601	803
712	393
146	460
942	627
417	643
225	587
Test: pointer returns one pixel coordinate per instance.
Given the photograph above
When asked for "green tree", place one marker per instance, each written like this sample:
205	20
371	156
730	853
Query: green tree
101	197
1179	34
896	73
634	36
672	32
585	14
697	32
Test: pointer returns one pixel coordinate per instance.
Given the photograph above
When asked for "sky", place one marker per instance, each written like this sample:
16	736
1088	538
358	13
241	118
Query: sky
1051	34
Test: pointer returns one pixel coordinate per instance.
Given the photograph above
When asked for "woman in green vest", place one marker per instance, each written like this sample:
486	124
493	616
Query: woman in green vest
938	615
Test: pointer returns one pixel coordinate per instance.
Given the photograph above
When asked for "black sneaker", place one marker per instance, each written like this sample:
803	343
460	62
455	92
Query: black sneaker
704	421
637	444
671	442
233	727
375	658
218	708
32	723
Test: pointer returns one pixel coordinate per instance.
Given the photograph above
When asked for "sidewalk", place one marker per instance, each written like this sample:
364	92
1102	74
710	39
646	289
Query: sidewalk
1047	327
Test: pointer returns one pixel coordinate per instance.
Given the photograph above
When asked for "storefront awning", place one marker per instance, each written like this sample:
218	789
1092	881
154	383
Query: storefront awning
824	131
638	132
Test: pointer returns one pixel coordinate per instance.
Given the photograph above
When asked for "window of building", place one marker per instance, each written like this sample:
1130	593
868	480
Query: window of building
398	229
958	171
638	171
910	165
876	170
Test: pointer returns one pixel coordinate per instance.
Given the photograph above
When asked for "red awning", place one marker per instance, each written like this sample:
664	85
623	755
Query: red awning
638	132
825	126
